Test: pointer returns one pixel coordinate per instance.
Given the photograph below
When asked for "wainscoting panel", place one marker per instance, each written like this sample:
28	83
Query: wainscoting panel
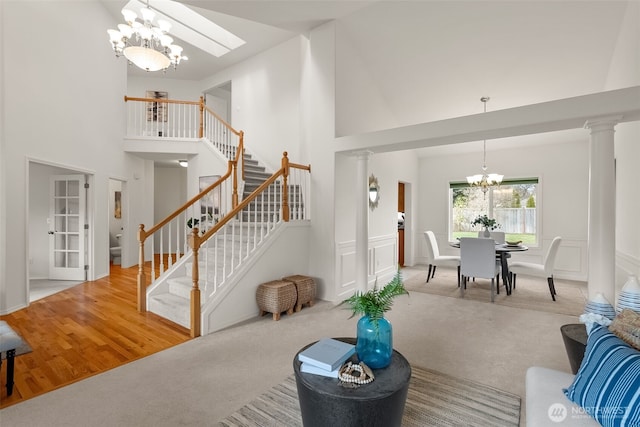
383	259
625	266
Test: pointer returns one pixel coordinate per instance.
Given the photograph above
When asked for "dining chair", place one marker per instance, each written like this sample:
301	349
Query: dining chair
478	259
497	236
539	270
434	258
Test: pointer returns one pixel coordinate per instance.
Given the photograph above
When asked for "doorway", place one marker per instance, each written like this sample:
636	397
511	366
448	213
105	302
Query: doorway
218	99
58	240
116	222
401	223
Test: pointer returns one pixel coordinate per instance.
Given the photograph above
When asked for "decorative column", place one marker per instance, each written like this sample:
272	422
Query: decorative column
362	220
602	208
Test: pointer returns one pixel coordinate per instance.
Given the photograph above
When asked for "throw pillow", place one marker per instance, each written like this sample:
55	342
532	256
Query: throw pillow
607	384
626	325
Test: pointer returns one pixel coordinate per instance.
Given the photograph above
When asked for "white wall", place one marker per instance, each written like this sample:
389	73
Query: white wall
183	90
65	109
170	191
360	106
266	102
625	71
563	170
38	256
389	169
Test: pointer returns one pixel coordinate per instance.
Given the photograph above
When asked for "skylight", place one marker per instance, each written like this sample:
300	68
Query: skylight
191	27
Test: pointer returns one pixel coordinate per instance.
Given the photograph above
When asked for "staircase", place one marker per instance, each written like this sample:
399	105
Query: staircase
234	238
174	302
216	259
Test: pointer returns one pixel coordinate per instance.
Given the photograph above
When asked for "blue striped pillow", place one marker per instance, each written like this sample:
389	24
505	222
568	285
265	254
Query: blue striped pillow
607	384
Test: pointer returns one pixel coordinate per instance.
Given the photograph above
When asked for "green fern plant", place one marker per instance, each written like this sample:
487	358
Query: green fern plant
375	302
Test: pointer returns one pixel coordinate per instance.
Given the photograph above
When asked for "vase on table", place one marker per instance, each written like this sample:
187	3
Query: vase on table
374	343
487	233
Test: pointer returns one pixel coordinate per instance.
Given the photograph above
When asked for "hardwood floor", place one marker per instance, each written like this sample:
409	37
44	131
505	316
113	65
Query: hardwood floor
83	331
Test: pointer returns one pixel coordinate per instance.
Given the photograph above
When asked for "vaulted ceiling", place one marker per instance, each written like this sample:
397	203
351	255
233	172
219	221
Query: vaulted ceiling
442	56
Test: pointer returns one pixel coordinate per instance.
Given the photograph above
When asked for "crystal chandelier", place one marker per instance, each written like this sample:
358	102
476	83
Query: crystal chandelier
484	180
153	49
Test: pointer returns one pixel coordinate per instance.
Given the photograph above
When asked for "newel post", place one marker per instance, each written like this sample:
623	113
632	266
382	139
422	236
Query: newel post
234	194
285	187
241	151
201	130
142	278
194	243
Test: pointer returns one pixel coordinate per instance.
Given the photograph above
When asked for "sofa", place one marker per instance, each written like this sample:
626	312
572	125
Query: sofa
605	390
546	402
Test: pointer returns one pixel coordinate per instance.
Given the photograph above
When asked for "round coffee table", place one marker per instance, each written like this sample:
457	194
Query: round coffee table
324	402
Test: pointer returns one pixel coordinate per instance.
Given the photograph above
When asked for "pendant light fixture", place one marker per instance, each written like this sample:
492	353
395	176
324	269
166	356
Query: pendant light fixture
484	180
145	44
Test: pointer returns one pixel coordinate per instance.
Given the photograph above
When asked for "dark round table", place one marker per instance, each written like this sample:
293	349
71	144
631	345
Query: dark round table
325	403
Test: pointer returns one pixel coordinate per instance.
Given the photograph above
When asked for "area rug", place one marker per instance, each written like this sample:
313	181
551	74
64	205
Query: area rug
531	293
434	399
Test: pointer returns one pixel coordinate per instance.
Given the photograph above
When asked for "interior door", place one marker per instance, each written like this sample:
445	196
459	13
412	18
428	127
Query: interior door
67	227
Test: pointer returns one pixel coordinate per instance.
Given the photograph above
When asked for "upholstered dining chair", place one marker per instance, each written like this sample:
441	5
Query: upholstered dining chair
497	236
539	270
435	259
478	259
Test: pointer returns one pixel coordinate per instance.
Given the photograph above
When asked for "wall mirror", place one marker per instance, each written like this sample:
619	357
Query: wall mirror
374	192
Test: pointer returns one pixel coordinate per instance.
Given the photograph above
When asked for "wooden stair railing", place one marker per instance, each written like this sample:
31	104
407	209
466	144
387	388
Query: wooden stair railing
196	239
143	235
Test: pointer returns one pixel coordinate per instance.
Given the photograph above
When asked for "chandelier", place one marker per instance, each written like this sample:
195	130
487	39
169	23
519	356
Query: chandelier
144	44
484	180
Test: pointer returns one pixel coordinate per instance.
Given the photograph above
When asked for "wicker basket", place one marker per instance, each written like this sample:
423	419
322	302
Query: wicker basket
275	297
306	288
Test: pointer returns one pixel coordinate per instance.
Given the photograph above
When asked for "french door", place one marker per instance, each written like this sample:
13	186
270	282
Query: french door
67	197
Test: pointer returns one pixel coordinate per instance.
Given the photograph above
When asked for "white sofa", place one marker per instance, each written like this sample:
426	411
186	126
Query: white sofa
546	403
607	382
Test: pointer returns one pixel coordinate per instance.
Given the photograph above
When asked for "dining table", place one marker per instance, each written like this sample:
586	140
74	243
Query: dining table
502	251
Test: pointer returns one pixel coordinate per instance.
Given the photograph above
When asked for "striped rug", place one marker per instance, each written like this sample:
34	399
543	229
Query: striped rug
434	399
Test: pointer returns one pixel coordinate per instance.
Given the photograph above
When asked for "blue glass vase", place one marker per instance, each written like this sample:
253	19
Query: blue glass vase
374	343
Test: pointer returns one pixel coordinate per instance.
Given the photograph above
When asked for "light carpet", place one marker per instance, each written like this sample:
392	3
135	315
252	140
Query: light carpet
531	293
433	399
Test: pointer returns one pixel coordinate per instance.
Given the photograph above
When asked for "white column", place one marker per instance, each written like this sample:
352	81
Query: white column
602	208
362	220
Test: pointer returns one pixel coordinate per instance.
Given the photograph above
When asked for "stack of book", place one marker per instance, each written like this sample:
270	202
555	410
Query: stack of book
325	357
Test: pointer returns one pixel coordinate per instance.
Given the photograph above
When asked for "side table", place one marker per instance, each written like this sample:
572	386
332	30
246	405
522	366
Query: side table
324	402
574	336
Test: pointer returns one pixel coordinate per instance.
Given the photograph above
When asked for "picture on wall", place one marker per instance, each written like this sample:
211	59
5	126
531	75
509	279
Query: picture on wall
157	111
210	204
117	210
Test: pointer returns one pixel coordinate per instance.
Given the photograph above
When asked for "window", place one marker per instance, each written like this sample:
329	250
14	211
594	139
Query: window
513	204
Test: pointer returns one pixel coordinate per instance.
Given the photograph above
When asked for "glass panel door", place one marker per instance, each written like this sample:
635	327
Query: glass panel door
66	219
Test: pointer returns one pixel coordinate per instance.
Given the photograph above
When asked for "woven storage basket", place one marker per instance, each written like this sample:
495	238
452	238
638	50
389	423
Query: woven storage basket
275	297
306	288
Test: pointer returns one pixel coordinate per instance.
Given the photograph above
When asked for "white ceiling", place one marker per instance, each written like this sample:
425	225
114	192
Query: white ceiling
262	24
443	55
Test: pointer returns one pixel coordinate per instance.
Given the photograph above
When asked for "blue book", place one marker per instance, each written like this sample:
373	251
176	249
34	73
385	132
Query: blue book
327	354
310	369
